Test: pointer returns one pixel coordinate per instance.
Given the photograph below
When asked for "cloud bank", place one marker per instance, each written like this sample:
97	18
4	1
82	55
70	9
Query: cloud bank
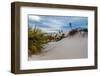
56	23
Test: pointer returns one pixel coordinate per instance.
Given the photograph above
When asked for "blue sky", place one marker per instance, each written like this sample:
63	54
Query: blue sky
56	23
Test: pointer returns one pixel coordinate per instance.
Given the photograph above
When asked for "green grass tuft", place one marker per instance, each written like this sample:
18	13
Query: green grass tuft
36	39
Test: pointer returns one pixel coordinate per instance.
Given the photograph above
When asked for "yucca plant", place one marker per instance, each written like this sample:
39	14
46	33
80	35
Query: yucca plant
36	39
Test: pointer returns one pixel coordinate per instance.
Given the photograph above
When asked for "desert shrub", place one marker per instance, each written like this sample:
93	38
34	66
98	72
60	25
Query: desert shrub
36	39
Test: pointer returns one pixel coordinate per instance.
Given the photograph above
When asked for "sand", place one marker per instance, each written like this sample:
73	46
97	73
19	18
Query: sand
75	47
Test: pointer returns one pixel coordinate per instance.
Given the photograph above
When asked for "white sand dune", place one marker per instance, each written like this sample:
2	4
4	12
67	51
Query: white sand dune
68	48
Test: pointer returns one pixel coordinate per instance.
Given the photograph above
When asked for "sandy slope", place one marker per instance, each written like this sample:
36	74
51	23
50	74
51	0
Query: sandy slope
67	48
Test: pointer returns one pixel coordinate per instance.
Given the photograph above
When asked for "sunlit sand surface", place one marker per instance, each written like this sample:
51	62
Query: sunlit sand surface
75	47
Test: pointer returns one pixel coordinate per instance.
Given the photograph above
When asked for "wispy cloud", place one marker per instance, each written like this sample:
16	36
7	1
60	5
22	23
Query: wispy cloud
56	23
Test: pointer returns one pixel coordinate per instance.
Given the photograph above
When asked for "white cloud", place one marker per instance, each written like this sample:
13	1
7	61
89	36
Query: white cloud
53	24
36	18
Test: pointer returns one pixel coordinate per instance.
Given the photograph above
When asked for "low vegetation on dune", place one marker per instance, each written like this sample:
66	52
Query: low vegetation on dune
36	39
77	30
84	29
72	32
